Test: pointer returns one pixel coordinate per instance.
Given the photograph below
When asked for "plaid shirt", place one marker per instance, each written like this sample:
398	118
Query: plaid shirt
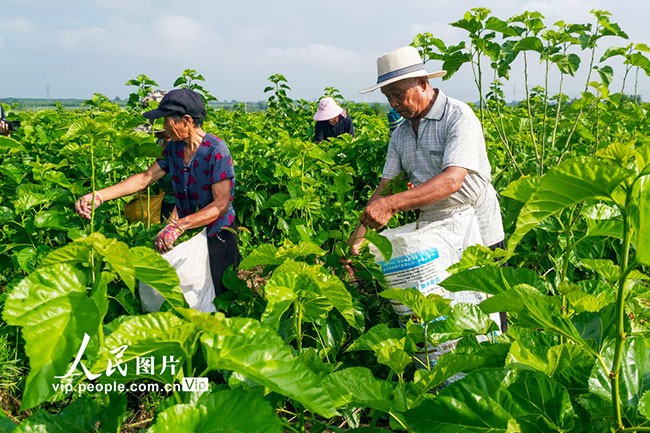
450	135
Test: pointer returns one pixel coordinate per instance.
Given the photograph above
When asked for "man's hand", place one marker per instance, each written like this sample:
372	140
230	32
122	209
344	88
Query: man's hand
377	213
166	237
85	205
4	128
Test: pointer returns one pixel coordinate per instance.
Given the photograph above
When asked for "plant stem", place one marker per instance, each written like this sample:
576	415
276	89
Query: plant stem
620	316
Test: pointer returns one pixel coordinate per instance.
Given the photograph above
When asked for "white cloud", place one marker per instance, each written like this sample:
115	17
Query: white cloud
75	39
18	25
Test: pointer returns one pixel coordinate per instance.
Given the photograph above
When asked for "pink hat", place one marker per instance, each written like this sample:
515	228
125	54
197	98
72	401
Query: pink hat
327	109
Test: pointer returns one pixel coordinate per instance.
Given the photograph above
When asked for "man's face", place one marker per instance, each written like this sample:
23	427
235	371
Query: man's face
407	97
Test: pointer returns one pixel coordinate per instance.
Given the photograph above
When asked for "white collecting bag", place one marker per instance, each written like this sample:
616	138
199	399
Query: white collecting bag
191	260
421	256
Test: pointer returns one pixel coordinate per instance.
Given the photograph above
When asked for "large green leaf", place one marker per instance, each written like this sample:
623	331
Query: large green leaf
258	353
633	376
313	289
53	309
493	280
268	254
9	145
460	361
223	411
641	232
83	415
375	335
496	401
162	338
52	219
464	320
113	252
535	311
426	308
571	182
153	269
361	389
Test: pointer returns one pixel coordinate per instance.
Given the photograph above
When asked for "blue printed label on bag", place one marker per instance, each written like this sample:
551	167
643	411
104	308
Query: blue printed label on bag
409	261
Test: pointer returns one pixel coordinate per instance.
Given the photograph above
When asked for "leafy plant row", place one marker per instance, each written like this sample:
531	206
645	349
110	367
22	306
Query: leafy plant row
298	346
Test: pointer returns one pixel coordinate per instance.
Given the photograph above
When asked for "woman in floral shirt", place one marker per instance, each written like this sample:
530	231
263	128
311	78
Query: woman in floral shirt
203	181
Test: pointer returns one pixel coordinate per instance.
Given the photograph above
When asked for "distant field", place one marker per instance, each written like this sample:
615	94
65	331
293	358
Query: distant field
36	104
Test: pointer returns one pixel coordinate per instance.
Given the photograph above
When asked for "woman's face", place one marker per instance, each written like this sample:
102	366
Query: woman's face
333	121
176	130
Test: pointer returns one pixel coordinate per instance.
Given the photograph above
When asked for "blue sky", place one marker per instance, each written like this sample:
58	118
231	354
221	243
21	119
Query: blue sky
74	48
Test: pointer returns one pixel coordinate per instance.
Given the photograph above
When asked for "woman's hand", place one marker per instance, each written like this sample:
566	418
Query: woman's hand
166	237
85	205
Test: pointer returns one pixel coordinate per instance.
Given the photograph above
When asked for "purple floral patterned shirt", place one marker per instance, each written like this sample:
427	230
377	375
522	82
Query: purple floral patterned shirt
192	184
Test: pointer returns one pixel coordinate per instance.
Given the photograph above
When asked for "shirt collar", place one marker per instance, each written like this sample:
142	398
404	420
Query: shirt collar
437	110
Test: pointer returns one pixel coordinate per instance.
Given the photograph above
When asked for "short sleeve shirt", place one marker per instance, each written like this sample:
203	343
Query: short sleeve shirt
192	183
449	135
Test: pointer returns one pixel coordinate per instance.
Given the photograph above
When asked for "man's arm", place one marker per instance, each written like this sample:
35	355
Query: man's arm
380	210
358	234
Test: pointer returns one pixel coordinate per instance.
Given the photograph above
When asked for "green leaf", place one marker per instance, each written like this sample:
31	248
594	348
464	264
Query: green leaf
426	308
460	361
315	290
633	376
381	242
606	269
464	320
162	335
151	268
495	401
375	335
54	311
567	64
640	228
258	353
52	219
569	183
535	310
113	252
8	146
493	280
359	388
225	411
530	43
180	417
83	415
644	405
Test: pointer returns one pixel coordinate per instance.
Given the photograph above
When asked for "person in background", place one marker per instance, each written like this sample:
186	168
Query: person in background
203	182
441	149
331	120
394	120
5	128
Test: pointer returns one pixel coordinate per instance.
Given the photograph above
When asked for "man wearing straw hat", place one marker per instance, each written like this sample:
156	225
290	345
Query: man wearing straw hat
441	149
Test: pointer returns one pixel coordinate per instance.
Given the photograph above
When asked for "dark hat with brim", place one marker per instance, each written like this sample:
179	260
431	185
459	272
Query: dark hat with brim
180	102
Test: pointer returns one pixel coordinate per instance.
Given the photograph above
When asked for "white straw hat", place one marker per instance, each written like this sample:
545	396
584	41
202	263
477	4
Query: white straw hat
400	64
327	109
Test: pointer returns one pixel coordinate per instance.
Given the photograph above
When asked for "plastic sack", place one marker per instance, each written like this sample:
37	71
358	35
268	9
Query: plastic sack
421	256
138	210
192	263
